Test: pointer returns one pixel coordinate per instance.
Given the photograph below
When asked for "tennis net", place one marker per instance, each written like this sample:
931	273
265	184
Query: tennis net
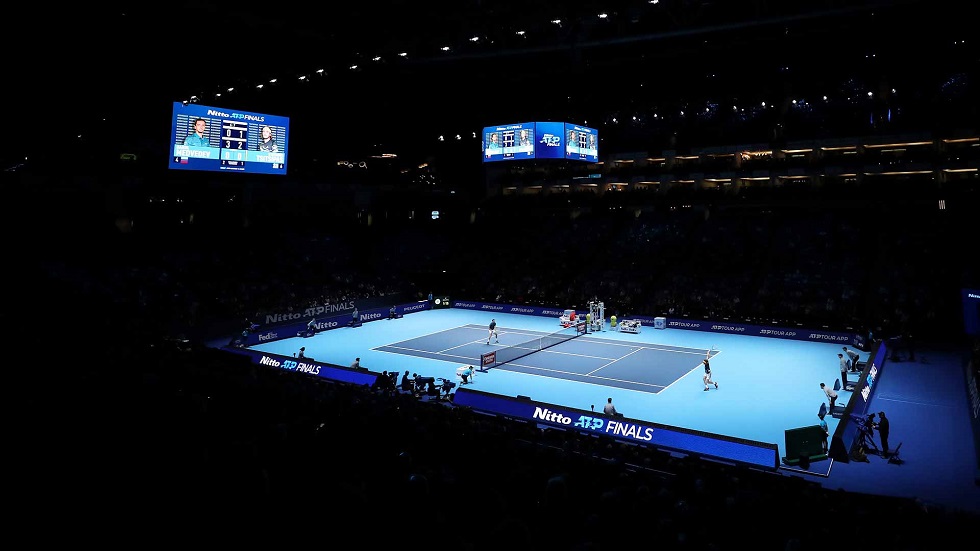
507	354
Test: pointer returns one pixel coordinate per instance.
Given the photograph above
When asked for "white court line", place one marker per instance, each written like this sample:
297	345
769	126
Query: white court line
572	373
647	345
600	368
604	342
460	346
693	369
532	333
419	351
424	335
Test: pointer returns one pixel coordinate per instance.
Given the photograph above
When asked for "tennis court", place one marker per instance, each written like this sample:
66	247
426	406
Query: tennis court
766	385
639	366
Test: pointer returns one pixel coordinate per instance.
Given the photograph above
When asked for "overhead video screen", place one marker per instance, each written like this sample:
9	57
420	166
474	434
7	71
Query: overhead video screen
550	139
219	139
581	143
540	140
508	142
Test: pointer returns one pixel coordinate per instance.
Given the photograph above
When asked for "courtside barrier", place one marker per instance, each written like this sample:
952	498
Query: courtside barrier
289	330
311	367
740	451
848	429
800	334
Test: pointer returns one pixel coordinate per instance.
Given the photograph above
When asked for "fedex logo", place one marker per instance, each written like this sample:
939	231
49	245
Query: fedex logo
551	140
268	336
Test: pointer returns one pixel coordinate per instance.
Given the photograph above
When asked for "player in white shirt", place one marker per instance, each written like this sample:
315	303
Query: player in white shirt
707	375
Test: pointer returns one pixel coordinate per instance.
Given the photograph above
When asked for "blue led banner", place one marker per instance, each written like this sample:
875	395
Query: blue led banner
320	369
286	331
692	325
757	454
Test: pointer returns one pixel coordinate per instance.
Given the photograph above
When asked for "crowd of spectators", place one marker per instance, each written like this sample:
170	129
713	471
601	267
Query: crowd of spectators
153	419
815	264
186	436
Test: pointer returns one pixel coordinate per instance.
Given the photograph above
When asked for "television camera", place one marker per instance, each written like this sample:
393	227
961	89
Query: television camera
866	428
427	386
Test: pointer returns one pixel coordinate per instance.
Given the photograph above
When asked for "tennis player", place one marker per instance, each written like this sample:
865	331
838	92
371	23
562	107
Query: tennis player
493	331
707	375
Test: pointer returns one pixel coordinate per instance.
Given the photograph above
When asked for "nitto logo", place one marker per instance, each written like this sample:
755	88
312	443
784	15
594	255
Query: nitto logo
492	307
277	318
369	317
522	310
269	361
268	336
546	414
971	295
325	325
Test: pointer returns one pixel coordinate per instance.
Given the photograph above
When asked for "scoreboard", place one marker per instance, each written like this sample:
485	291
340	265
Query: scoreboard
540	140
217	139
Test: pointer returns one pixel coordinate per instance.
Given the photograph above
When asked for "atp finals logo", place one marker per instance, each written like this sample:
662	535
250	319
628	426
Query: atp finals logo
596	424
551	140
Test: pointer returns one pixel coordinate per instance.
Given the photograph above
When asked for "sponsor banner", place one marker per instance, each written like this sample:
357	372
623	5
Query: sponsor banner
835	337
757	454
320	369
326	310
548	311
261	334
799	334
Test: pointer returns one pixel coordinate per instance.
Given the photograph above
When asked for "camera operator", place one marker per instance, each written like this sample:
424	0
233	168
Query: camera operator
425	385
869	432
447	385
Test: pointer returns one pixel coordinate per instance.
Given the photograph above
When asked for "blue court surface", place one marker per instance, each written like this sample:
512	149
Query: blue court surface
766	386
616	363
